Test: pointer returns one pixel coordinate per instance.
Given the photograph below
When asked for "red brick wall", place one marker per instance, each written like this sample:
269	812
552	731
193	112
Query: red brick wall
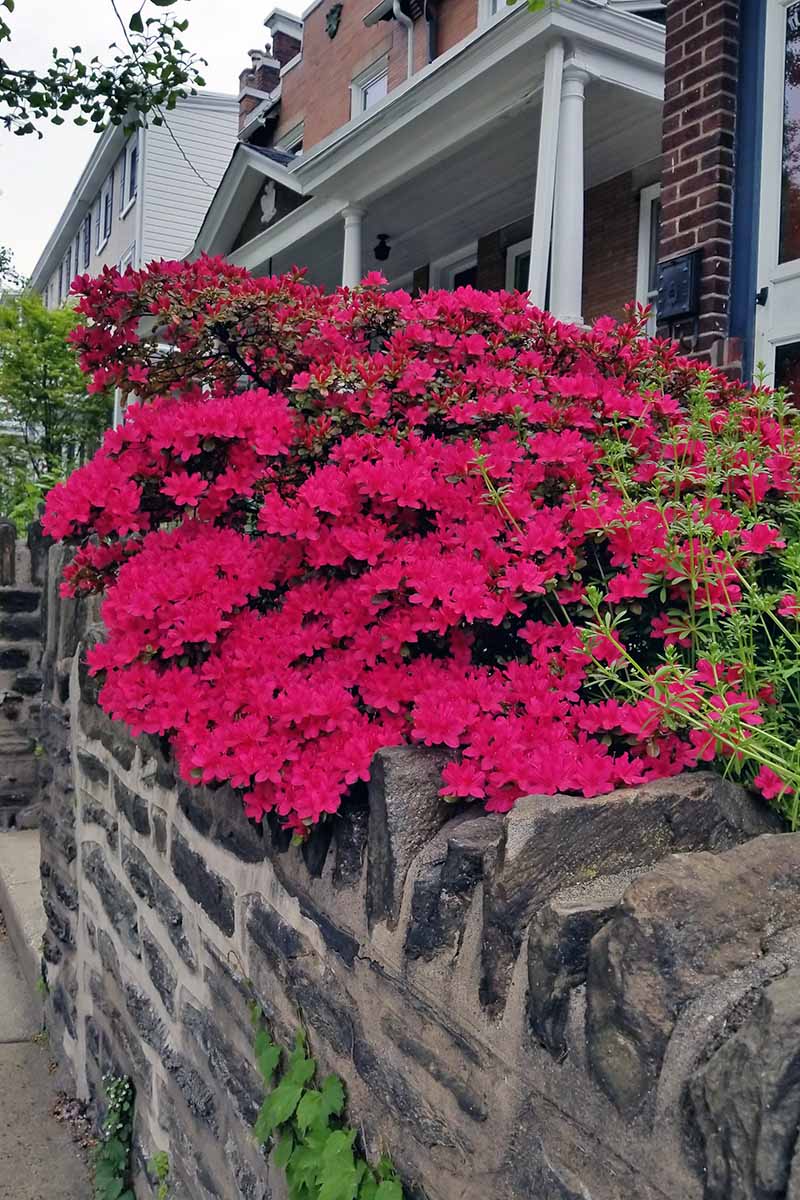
611	239
698	145
610	247
317	90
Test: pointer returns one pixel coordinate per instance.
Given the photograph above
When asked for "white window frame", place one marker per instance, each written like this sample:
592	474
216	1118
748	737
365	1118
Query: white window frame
106	191
127	259
98	224
515	251
444	270
643	294
123	180
397	283
363	80
291	138
86	243
493	10
129	176
67	269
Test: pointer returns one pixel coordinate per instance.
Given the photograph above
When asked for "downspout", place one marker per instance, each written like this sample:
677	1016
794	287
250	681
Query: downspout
432	17
747	180
402	19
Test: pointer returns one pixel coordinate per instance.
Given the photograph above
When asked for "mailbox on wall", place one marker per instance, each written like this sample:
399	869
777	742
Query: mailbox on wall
679	287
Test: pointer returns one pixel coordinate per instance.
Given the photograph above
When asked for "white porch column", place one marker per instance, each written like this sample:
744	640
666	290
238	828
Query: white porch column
545	175
352	258
566	269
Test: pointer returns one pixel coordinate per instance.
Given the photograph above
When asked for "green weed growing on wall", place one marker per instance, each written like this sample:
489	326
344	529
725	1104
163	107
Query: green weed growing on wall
112	1156
302	1123
158	1167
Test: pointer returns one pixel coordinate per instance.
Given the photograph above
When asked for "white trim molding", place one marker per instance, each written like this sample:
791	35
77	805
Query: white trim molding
648	228
375	72
513	254
444	270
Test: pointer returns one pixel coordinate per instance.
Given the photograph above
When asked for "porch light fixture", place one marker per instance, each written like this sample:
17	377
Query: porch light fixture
382	249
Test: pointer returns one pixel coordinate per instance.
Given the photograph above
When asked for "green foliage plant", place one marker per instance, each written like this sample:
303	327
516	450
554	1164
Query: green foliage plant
727	673
148	74
48	422
303	1125
112	1156
158	1166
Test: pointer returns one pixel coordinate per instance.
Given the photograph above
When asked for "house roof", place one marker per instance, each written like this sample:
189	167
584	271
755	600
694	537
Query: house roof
244	175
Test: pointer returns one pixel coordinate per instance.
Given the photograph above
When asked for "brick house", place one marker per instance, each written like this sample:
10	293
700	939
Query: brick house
435	132
595	152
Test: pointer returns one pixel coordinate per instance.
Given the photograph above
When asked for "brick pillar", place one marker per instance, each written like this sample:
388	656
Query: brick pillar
698	157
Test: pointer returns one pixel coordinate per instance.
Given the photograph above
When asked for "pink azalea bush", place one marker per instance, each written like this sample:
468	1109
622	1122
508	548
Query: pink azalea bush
335	523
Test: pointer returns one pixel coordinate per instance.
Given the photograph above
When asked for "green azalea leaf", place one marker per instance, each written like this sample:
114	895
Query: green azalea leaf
136	23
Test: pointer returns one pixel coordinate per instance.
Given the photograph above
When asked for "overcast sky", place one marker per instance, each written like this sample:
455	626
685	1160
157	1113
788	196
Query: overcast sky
37	177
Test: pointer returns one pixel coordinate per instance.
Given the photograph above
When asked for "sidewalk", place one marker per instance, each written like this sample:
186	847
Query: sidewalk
38	1160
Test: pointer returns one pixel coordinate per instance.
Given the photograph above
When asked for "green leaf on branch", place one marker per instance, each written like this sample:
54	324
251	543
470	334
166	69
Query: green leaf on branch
136	23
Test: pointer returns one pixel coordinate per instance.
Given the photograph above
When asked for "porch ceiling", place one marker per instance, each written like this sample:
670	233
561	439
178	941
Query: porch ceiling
451	155
479	186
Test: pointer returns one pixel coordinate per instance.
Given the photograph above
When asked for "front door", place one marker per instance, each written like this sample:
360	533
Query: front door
778	310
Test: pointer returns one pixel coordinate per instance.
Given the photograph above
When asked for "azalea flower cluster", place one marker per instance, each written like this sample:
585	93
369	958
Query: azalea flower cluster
334	523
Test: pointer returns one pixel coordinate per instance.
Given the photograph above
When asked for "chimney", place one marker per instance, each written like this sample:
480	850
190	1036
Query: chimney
256	81
287	35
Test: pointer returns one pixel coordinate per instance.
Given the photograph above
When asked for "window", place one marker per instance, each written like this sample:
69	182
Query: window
66	274
368	88
789	236
518	265
133	169
106	212
292	140
87	240
129	171
76	254
647	258
60	282
127	259
489	10
374	90
456	270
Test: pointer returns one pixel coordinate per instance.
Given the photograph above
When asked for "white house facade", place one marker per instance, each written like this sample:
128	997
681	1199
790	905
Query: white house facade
141	196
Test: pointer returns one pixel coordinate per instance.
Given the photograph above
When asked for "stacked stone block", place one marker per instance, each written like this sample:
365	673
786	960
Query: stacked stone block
566	1002
20	683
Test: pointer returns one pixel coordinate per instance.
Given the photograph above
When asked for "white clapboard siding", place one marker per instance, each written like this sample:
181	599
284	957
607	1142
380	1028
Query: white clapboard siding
175	199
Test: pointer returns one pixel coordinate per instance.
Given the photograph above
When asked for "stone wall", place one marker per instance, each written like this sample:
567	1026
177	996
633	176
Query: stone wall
582	1000
20	680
